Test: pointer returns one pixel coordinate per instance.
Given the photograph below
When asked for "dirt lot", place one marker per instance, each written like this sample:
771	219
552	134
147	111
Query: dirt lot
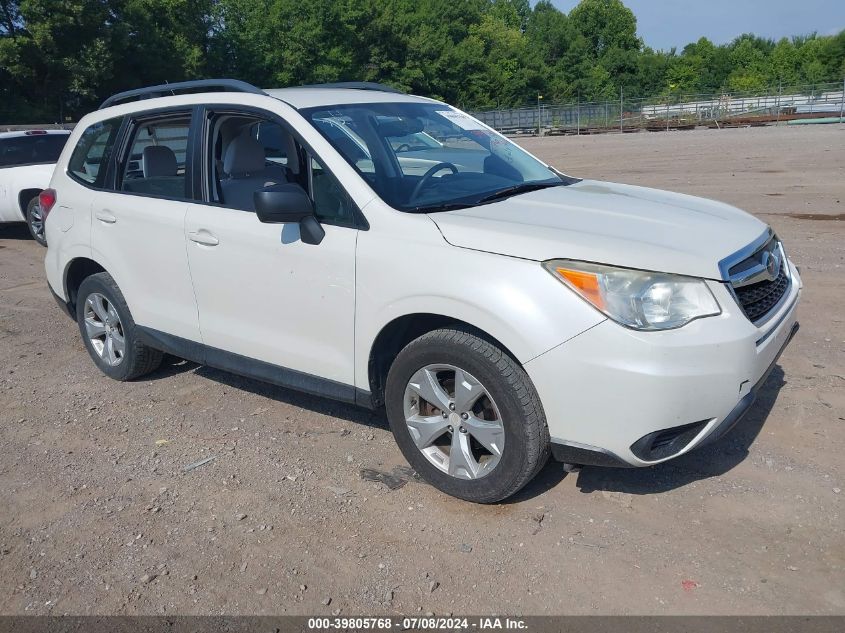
98	516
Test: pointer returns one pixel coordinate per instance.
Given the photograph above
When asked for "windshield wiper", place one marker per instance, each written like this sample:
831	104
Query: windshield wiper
515	190
524	187
446	206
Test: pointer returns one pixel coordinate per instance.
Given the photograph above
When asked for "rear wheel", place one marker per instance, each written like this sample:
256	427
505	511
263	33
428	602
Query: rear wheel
108	330
466	415
35	221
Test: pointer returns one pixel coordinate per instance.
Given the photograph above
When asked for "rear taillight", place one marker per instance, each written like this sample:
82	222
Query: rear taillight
46	200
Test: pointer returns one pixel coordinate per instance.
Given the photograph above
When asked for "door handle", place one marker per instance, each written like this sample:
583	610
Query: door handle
105	216
203	237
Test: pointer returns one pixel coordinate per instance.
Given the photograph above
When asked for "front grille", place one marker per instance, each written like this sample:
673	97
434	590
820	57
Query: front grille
757	300
759	277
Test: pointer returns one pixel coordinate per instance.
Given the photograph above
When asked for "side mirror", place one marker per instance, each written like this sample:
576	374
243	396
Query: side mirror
289	203
278	204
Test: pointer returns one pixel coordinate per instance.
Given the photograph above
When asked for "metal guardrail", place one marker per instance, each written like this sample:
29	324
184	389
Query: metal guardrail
630	115
625	114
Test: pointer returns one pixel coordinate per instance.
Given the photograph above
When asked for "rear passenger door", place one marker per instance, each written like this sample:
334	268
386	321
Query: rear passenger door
138	221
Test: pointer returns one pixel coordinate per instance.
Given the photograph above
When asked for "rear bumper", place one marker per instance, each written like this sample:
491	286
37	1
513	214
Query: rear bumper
64	305
617	397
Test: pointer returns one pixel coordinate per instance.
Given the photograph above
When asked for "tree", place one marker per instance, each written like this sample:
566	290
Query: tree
785	64
652	69
606	24
62	57
684	75
748	61
810	59
598	85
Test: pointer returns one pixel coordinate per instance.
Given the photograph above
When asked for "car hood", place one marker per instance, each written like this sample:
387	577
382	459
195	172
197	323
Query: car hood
607	223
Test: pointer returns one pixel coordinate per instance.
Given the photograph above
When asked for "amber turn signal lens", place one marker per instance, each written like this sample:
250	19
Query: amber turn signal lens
587	284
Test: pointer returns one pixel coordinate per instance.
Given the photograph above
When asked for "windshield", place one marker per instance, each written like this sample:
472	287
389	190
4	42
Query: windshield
428	156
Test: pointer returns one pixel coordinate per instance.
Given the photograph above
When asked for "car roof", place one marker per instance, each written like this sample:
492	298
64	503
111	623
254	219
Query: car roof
312	97
298	97
237	92
38	132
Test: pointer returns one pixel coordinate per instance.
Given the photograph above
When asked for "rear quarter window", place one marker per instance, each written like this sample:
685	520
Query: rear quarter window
91	155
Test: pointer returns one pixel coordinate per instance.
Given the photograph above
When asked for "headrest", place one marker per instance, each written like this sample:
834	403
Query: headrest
245	155
400	127
158	160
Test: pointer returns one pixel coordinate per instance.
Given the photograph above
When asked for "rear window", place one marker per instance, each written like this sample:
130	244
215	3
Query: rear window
31	150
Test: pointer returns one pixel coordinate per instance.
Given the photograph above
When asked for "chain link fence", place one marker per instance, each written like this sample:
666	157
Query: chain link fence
794	103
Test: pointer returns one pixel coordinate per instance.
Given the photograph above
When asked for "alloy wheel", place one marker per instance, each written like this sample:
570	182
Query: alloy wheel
104	329
454	421
36	221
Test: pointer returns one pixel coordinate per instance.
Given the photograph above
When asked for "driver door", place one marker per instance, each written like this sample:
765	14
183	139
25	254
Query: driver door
269	304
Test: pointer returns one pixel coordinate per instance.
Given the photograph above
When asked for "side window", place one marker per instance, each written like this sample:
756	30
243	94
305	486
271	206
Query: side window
91	155
249	153
273	139
155	163
331	203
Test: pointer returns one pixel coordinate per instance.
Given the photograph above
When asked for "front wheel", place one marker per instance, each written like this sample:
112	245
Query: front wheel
35	221
466	416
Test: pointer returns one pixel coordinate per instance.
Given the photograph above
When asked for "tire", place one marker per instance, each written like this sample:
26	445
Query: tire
509	408
34	221
102	310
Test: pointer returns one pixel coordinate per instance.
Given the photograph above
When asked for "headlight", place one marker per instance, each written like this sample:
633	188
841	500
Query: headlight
638	299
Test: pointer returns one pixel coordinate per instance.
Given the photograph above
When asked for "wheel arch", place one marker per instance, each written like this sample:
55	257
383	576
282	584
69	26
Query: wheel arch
396	334
78	269
24	198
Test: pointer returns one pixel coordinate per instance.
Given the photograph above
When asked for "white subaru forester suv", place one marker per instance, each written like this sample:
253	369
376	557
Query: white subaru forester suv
389	250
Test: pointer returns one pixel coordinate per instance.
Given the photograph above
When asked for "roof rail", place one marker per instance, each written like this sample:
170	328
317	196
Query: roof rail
355	85
199	85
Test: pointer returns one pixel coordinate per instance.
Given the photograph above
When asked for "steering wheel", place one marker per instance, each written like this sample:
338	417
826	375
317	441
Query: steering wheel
428	175
404	147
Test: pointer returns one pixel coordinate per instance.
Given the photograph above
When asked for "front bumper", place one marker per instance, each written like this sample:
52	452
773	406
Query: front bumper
619	397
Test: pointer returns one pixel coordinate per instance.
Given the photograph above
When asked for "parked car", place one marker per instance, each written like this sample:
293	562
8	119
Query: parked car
499	310
27	160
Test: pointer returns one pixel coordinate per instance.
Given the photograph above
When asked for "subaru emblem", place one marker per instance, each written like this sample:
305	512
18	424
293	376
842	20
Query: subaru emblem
772	263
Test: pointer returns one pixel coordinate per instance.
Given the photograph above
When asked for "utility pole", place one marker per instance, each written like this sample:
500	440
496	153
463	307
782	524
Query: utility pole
539	117
842	103
780	89
578	115
621	106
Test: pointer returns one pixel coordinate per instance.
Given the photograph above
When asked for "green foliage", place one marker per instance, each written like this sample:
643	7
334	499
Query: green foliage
606	24
60	58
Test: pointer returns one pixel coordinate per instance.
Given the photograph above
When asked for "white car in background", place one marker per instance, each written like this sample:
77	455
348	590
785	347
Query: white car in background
498	310
27	159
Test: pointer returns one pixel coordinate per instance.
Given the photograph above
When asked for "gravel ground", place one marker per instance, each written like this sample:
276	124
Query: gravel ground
99	516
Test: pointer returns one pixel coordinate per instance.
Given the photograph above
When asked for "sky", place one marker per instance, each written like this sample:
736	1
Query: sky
667	23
